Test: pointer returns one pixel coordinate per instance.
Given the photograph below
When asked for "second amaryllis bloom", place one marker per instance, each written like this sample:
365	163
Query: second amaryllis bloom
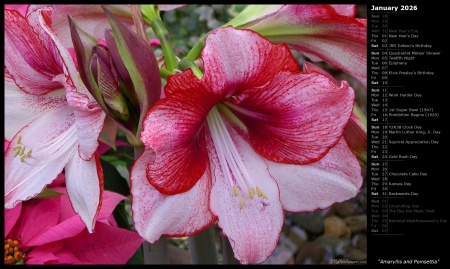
322	32
51	120
253	137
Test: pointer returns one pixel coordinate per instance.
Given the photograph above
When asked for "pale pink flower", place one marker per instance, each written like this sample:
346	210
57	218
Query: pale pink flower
51	120
322	32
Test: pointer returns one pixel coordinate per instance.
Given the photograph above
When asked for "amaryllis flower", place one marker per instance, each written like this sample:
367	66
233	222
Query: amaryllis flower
22	9
322	32
90	18
48	231
51	121
355	133
253	137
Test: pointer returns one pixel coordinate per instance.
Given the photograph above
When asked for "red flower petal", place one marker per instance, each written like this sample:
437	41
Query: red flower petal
28	56
172	128
295	118
238	60
157	214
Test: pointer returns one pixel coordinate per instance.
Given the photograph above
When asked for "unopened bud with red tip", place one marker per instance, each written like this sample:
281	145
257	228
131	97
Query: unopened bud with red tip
123	76
108	81
137	65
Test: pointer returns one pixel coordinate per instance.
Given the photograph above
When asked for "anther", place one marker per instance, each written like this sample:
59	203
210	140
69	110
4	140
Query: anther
22	150
19	139
258	191
251	193
22	157
16	150
235	191
241	203
29	153
261	194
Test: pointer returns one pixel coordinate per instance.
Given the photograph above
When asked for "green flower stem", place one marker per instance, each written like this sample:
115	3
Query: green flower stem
164	73
151	16
357	111
187	63
202	247
158	252
194	53
228	254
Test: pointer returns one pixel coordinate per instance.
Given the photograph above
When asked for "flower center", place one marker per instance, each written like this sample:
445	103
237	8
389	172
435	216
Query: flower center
242	185
48	151
19	150
13	252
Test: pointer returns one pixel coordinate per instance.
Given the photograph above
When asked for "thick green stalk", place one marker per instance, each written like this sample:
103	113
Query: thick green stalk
188	63
151	16
202	247
194	53
164	73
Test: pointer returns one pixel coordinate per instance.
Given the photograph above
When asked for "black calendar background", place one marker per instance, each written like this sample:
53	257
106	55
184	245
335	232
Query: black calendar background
412	242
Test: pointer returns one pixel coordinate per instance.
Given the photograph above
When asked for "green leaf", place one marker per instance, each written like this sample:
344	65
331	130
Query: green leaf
47	193
137	258
121	216
113	180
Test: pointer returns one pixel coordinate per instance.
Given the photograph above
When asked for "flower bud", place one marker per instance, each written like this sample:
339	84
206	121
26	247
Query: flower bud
123	76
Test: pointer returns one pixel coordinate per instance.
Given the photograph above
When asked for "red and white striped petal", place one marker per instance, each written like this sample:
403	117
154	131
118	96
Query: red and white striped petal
348	56
70	80
320	31
45	147
84	182
172	128
21	8
156	214
333	179
90	18
28	56
345	10
89	118
238	60
252	225
22	108
296	117
170	7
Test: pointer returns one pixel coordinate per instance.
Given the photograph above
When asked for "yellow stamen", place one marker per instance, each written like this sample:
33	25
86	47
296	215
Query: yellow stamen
16	150
261	194
258	191
251	193
19	139
22	150
22	157
235	191
241	203
29	153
